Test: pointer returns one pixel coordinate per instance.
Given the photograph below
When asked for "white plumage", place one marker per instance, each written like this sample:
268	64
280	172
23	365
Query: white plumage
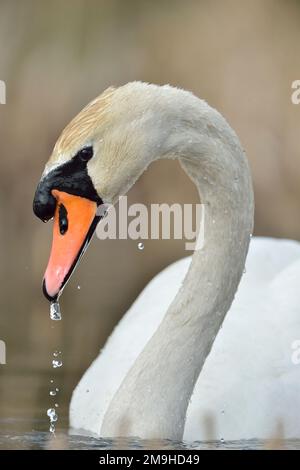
249	385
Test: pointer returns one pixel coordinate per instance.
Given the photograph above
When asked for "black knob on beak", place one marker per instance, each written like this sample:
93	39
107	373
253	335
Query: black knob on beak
44	203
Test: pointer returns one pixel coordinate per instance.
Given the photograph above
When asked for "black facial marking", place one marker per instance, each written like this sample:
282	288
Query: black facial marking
63	219
71	177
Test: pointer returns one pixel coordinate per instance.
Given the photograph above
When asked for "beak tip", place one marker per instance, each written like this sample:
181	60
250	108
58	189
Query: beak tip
51	298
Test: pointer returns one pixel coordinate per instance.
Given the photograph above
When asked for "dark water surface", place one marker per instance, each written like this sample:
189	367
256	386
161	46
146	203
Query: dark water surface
24	400
28	434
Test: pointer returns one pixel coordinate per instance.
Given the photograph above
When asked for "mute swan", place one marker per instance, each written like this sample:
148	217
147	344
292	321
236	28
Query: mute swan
158	376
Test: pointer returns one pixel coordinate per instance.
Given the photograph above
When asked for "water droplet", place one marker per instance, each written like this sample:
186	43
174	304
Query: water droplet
52	393
223	412
244	270
78	287
222	440
56	363
57	389
56	353
51	381
52	415
55	311
141	246
56	405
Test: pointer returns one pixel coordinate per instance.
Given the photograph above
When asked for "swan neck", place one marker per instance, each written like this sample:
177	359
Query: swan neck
154	395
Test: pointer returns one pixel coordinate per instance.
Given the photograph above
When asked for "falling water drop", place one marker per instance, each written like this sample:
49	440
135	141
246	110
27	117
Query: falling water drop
141	246
51	413
222	440
52	393
56	353
56	363
78	287
55	313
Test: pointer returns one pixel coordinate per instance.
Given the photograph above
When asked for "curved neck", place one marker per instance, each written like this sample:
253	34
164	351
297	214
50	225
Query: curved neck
153	398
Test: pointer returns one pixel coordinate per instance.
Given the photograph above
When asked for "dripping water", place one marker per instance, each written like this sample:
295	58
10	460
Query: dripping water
55	315
56	363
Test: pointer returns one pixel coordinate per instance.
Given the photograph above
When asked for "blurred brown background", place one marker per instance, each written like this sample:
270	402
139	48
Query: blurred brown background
241	56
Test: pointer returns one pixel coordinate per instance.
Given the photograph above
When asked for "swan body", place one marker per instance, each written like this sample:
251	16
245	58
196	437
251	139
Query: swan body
162	374
249	386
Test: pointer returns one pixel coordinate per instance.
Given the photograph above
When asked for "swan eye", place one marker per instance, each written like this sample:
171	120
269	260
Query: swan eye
85	154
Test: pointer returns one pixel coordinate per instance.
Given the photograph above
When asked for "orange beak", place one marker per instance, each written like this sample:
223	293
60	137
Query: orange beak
75	220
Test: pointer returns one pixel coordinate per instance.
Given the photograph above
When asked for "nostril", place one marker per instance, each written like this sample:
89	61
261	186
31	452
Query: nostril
63	219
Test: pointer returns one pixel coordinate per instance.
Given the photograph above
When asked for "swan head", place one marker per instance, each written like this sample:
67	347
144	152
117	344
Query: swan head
97	158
